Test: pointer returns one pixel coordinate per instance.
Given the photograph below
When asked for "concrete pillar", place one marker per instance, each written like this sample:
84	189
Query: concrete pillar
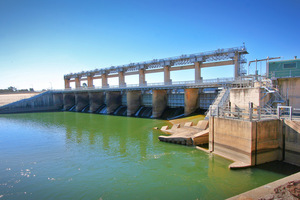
211	134
191	100
142	78
96	100
90	81
77	82
159	102
121	79
58	100
134	99
68	100
67	83
104	80
113	101
198	77
167	79
81	100
236	65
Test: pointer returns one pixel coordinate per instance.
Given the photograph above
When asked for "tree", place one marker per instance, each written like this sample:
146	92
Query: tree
11	88
84	85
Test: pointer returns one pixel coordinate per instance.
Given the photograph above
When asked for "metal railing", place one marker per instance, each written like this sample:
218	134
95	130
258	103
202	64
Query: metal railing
285	73
255	114
245	82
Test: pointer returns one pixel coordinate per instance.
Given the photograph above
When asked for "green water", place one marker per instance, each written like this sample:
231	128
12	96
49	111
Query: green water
86	156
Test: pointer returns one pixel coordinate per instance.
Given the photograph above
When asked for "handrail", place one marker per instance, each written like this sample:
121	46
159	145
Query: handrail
223	81
255	114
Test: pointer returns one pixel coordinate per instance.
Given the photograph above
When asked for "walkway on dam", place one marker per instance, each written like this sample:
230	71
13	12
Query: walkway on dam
206	83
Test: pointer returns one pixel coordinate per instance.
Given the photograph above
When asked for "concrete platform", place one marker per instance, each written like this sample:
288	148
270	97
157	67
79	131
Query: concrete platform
187	134
280	189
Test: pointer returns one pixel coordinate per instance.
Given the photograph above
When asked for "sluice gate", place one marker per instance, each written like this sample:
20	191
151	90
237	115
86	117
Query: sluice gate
158	102
162	104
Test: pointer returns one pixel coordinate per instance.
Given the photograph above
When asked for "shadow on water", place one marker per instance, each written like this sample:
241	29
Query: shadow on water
279	167
172	113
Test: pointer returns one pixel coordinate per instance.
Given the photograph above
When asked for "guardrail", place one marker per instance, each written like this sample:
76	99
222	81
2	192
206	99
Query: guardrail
246	82
255	114
285	73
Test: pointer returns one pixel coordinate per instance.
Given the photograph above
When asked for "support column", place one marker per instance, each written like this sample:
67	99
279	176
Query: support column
198	78
159	102
68	100
236	65
113	101
81	100
121	79
96	100
142	78
104	80
58	100
77	82
167	79
67	84
134	99
90	81
191	100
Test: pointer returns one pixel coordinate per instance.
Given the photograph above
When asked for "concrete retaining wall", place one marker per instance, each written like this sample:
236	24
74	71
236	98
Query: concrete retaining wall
245	141
291	136
242	96
47	101
290	87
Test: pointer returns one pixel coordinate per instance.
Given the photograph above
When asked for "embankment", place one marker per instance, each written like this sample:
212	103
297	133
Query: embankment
47	101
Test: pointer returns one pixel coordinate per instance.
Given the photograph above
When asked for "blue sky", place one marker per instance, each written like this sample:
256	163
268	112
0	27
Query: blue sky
41	40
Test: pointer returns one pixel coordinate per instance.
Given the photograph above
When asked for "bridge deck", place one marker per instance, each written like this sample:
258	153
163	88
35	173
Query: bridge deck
208	83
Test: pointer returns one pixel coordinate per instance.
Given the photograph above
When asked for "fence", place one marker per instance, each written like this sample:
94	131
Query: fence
255	114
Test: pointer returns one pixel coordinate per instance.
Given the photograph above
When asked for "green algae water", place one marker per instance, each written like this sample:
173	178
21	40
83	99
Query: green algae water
68	155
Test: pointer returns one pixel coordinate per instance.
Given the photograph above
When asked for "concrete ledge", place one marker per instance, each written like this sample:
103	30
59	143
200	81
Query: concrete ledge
239	165
267	189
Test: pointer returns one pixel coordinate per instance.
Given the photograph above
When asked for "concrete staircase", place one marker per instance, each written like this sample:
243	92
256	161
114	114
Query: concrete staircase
220	101
187	134
275	99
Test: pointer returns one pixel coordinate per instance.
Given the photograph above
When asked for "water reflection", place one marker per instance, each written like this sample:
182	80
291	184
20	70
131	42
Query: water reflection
110	157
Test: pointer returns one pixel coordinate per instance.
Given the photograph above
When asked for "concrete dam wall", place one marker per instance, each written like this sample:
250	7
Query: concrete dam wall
162	104
47	101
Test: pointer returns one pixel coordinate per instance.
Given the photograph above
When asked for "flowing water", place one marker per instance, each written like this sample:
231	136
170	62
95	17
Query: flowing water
69	155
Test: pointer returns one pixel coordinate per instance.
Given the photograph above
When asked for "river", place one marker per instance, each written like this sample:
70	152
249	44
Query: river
66	155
